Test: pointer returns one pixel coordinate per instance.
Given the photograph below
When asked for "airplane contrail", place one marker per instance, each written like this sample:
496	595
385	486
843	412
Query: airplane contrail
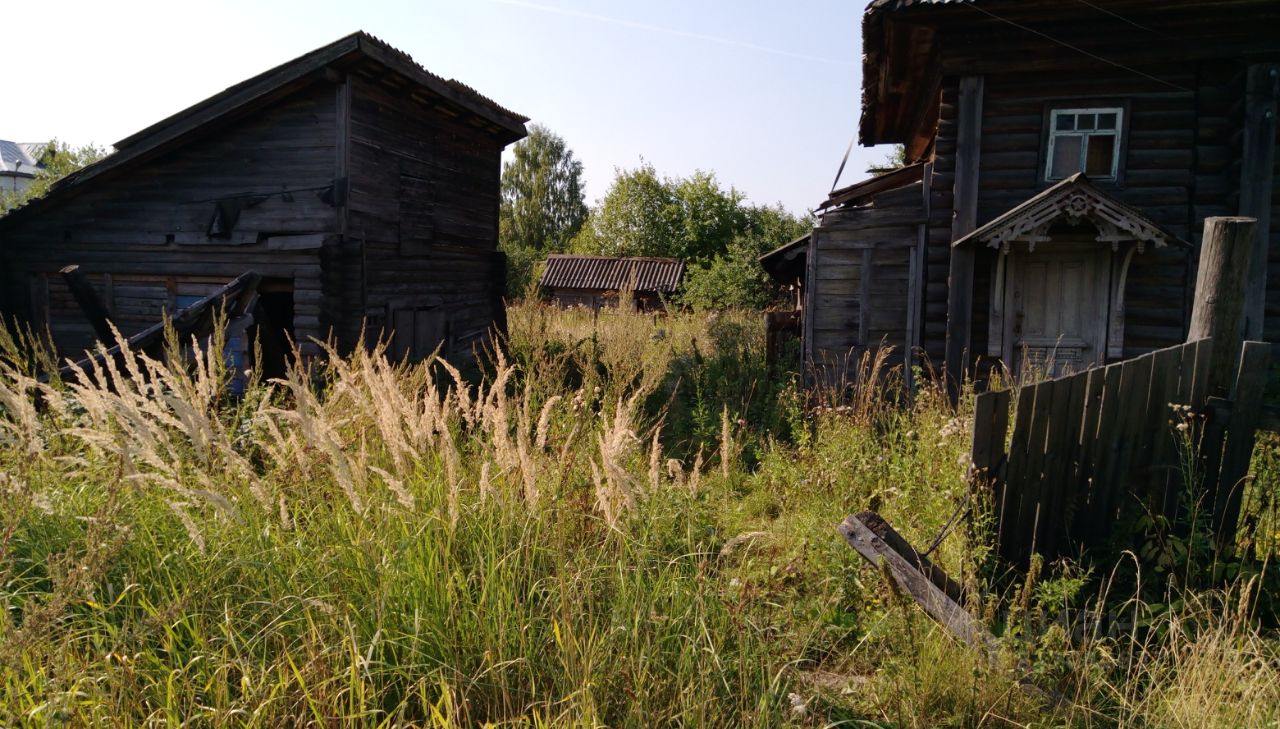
671	31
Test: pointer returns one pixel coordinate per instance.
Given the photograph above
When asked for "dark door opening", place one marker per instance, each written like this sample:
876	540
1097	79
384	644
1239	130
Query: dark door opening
272	329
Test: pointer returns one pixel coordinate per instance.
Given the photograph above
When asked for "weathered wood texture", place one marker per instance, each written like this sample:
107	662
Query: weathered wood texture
422	220
1220	293
1088	450
968	156
863	263
1180	163
141	235
935	592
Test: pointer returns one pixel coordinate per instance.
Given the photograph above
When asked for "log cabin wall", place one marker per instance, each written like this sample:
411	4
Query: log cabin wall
1181	72
142	233
1180	164
423	207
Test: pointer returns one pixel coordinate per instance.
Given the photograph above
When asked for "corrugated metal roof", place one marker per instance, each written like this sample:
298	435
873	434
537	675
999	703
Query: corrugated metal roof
657	275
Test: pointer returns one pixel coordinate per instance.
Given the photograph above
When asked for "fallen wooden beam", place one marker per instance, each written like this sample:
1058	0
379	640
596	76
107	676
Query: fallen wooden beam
197	320
872	537
94	310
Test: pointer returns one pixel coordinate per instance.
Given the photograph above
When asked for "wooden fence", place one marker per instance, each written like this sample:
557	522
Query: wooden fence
1087	449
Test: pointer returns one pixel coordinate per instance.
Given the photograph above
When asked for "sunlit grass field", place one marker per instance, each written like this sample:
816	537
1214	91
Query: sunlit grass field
619	520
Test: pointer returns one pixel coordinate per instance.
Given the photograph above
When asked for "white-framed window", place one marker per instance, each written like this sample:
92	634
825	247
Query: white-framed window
1084	140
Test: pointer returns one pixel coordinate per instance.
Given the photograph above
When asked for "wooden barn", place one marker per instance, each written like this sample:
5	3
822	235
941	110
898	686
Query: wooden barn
1062	157
362	189
596	281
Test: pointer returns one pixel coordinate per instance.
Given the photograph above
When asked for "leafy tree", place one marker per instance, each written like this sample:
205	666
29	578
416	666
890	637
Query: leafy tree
543	204
713	230
735	278
58	160
642	214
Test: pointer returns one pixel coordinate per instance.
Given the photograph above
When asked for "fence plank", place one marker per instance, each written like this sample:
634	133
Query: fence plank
1104	453
990	423
1084	466
1029	510
1241	429
1061	453
1010	494
1133	440
1165	370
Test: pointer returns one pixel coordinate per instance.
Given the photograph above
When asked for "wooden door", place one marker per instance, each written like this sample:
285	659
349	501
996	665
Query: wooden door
1058	301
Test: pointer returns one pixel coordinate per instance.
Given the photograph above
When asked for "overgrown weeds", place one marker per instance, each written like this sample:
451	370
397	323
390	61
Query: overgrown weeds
621	521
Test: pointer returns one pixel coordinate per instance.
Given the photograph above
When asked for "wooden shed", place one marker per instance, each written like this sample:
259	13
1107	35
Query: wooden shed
1062	158
596	281
362	188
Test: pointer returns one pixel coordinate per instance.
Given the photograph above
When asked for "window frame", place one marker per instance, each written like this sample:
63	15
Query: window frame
1053	109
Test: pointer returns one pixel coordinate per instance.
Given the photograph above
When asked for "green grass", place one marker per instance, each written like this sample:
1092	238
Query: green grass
625	521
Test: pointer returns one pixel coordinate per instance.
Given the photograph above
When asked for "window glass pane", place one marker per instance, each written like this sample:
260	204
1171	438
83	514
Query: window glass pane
1107	121
1065	122
1085	121
1101	155
1066	156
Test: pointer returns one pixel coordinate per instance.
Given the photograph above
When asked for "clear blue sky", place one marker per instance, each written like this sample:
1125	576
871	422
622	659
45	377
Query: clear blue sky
764	94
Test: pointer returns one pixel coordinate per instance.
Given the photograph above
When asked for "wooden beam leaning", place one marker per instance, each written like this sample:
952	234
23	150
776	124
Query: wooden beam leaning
94	310
914	580
1218	312
965	221
1257	161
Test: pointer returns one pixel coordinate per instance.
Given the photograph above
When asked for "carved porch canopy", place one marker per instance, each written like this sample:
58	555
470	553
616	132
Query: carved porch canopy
1073	201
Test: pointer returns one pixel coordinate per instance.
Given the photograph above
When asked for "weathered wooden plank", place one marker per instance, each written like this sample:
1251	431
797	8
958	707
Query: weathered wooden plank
1257	172
1009	496
1061	452
90	305
1246	410
1105	453
1031	507
965	221
910	579
990	426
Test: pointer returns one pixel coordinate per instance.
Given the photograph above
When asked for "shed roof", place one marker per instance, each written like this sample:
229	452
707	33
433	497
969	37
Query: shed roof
242	99
648	275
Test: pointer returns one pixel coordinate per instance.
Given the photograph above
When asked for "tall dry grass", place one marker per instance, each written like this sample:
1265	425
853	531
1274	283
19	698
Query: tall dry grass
619	520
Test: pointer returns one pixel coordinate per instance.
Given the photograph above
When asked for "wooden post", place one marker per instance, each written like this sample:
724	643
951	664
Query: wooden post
90	304
1218	312
965	207
1257	162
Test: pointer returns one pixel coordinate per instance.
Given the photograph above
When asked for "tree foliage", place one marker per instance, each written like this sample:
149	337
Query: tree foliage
713	230
543	204
735	277
642	214
58	160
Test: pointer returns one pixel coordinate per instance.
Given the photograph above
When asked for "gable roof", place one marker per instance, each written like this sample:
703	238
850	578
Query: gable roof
1074	199
648	275
251	94
17	158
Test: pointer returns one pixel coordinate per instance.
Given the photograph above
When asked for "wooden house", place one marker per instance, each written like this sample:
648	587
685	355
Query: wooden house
596	281
360	187
1062	157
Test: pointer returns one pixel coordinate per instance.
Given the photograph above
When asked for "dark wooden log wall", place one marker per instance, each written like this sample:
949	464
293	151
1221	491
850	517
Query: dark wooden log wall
1180	164
141	235
423	202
